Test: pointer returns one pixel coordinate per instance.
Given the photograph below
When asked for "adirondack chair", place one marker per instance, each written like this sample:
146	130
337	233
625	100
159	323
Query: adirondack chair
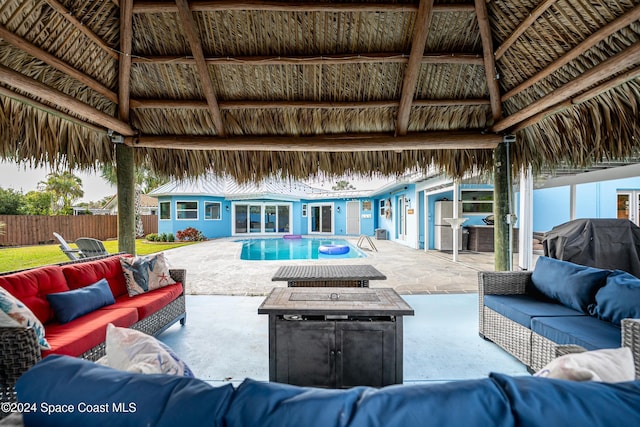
91	247
73	254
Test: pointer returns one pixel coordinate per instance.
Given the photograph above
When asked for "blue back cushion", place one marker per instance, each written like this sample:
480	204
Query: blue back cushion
280	405
471	403
131	399
545	402
618	299
569	284
73	304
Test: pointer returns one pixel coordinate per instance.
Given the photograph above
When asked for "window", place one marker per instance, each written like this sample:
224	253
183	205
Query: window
304	210
477	201
165	210
212	210
187	210
382	212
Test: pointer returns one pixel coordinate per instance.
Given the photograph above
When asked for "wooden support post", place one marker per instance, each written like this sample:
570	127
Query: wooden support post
125	173
501	170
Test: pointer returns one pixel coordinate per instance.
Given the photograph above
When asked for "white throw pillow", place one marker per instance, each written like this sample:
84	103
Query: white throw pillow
134	351
607	365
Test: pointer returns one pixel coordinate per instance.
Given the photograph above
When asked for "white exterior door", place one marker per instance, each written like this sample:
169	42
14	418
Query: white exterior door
353	217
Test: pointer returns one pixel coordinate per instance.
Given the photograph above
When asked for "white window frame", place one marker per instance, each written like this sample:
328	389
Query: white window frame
160	210
213	202
197	210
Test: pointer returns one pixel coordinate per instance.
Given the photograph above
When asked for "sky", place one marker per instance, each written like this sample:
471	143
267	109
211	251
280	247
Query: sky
95	188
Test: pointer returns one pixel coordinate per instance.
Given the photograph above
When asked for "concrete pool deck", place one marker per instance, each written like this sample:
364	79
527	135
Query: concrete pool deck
214	267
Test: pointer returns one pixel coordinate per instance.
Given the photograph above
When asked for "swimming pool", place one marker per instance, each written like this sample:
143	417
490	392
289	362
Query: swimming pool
282	249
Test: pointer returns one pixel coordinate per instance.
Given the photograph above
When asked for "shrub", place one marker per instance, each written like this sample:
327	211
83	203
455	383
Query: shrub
163	237
152	237
189	234
171	237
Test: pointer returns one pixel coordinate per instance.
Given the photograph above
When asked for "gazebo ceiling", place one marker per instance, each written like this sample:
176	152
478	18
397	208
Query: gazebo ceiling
252	88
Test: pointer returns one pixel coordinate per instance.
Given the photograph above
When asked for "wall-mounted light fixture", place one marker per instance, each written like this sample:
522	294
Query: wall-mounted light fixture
338	209
227	208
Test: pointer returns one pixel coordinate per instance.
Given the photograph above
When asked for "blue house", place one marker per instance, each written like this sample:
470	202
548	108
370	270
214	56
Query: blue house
408	211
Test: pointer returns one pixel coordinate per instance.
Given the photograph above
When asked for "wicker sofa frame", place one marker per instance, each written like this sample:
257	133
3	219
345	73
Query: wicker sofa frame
19	348
532	349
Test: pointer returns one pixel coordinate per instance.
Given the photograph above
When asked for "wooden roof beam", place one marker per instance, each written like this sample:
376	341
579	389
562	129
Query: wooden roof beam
524	25
274	6
57	98
623	21
62	10
613	65
489	61
241	105
412	72
124	66
365	58
579	99
56	63
40	106
189	27
324	143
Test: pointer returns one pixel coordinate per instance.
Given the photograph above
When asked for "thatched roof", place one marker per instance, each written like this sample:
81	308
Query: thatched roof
293	88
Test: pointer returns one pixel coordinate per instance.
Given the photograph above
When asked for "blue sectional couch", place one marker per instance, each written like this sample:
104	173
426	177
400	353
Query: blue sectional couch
558	308
66	391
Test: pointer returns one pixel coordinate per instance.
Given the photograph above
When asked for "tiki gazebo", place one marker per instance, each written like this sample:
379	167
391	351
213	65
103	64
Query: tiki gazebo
290	88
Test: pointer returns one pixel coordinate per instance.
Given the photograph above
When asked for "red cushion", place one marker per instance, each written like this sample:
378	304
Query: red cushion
85	332
149	302
84	274
32	286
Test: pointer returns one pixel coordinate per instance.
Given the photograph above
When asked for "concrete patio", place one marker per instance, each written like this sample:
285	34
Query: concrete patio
226	340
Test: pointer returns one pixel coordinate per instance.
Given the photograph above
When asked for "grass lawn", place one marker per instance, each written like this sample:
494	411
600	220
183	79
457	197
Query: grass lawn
35	256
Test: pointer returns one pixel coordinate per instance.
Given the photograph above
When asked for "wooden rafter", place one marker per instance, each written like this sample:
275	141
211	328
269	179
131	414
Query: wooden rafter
489	61
366	58
60	8
524	25
412	72
124	68
57	98
56	63
326	143
625	20
274	6
613	65
189	27
40	106
579	99
253	105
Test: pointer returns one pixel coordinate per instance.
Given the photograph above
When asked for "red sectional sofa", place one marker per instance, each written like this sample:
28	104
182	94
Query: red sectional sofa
84	336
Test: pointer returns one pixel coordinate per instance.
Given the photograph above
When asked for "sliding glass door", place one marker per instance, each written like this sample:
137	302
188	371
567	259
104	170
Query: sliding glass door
261	218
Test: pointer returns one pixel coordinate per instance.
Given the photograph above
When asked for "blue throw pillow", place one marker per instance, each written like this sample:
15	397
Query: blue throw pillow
70	305
67	391
546	402
618	299
570	284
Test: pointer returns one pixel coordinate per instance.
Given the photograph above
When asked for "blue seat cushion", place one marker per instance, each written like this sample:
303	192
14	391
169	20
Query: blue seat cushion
522	308
585	331
67	391
546	402
569	284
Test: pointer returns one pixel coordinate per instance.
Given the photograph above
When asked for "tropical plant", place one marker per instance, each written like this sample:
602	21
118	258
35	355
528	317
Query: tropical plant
189	234
10	201
343	185
37	203
65	189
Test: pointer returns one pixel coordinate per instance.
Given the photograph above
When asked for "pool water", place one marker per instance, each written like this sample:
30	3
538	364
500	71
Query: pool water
282	249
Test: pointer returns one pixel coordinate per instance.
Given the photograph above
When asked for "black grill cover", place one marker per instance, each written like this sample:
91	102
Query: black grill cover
602	243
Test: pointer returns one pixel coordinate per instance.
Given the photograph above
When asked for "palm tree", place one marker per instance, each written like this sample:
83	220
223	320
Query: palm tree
65	189
343	185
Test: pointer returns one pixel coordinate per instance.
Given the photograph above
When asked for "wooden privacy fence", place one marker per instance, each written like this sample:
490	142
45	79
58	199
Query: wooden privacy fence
25	230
